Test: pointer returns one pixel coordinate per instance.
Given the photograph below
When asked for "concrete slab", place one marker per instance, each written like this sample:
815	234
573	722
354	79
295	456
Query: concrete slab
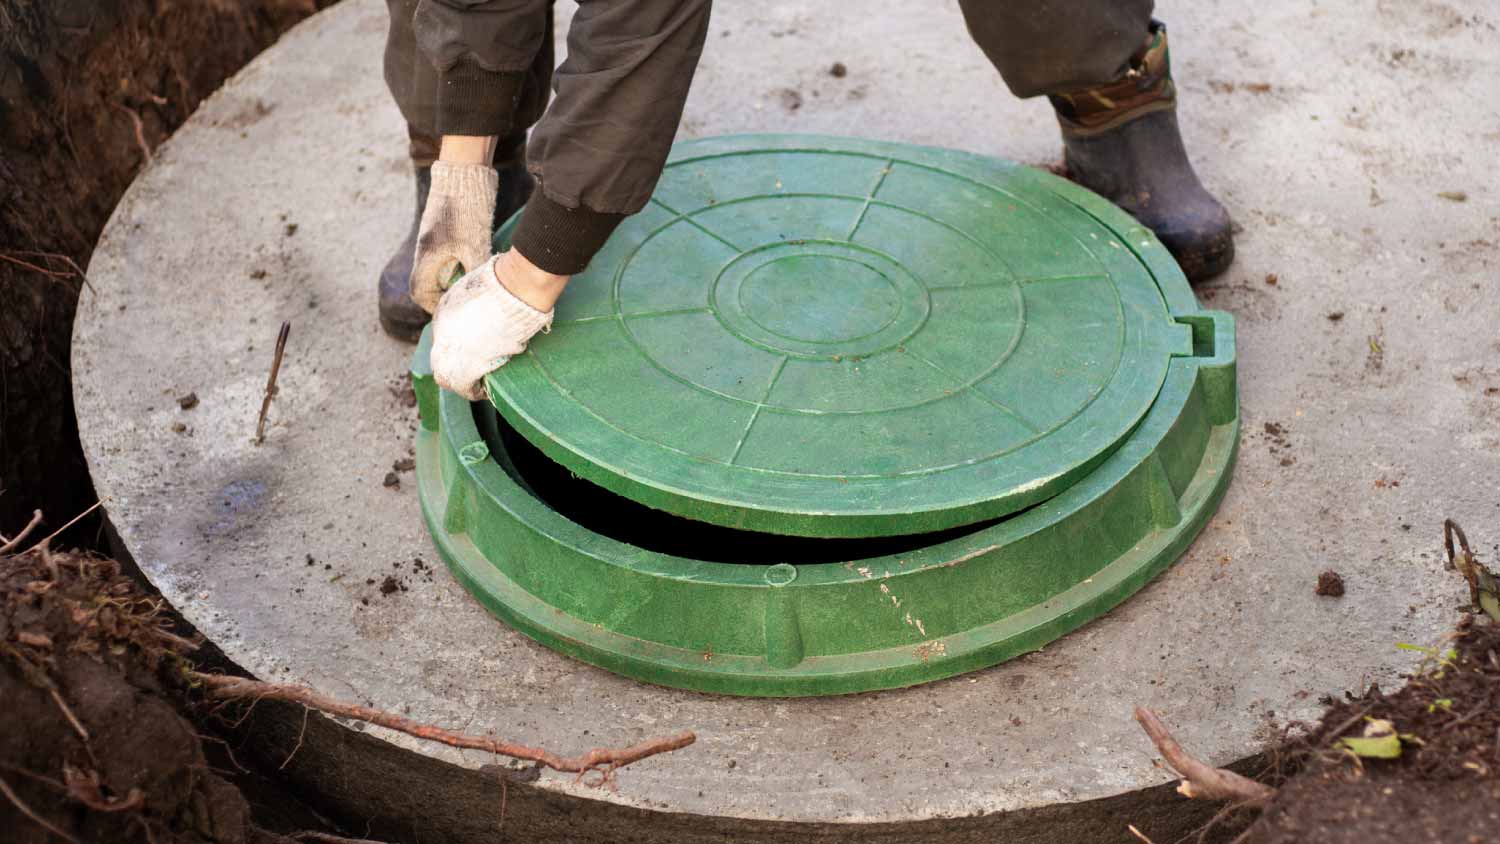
1369	370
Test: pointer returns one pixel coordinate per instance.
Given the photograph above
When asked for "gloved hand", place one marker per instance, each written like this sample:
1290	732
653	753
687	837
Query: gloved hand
455	229
478	327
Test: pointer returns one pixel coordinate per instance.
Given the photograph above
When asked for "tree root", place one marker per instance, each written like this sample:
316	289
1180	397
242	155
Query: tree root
601	761
1199	779
26	810
11	544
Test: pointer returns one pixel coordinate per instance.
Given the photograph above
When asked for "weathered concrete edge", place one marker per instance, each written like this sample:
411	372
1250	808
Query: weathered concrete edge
386	791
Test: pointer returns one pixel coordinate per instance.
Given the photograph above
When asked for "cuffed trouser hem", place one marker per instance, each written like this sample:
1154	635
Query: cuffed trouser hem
1145	87
559	239
475	101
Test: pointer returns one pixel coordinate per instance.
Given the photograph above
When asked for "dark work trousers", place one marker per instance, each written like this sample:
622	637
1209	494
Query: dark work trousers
482	67
413	82
1058	46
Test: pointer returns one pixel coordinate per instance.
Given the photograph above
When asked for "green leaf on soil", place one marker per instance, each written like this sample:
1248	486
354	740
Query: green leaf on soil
1490	603
1378	747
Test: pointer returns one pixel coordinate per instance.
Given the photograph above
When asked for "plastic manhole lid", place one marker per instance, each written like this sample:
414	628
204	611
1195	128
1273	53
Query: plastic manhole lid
836	337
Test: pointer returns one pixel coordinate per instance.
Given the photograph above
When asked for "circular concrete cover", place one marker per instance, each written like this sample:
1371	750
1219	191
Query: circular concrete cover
837	337
1040	748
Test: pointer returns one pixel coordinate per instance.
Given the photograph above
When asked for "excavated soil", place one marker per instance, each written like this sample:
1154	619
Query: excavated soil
1444	786
90	672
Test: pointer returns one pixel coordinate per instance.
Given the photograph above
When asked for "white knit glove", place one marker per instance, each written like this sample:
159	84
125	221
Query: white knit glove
455	230
478	327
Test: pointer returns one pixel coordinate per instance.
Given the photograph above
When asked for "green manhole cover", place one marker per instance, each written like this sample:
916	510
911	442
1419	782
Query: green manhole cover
833	337
834	415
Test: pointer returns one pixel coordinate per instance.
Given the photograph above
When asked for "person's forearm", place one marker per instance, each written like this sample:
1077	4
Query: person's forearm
467	149
528	282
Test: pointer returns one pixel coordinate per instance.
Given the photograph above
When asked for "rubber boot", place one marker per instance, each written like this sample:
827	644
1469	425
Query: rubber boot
1122	142
404	319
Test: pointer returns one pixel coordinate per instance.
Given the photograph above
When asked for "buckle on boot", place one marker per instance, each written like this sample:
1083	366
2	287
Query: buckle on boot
1146	86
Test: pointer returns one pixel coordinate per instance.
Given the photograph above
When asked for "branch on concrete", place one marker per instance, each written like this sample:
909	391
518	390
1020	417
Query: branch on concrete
602	761
1199	779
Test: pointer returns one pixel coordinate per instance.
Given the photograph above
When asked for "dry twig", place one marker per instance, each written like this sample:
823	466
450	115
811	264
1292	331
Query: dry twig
1199	779
67	712
325	838
53	535
265	403
140	131
604	761
36	519
33	267
72	264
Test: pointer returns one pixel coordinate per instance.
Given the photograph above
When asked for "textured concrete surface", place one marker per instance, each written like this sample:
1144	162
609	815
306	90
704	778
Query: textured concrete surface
1351	142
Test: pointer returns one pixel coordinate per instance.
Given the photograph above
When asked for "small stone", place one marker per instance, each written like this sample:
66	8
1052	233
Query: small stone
1272	279
838	70
188	402
178	428
391	480
1335	316
291	229
405	464
389	586
1330	584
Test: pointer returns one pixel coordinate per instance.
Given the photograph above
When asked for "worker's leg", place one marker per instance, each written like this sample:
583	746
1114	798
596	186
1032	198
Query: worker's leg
1104	65
413	82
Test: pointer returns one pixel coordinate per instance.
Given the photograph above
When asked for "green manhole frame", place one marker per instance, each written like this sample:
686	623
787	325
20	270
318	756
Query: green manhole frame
665	620
884	622
705	492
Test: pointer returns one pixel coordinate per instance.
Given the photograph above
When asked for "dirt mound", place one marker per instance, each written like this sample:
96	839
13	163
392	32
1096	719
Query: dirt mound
88	666
1444	786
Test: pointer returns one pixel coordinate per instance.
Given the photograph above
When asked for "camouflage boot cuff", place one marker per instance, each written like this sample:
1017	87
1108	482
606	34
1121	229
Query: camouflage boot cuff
1145	87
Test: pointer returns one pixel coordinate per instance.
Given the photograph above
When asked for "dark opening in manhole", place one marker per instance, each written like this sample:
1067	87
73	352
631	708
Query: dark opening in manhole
603	512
